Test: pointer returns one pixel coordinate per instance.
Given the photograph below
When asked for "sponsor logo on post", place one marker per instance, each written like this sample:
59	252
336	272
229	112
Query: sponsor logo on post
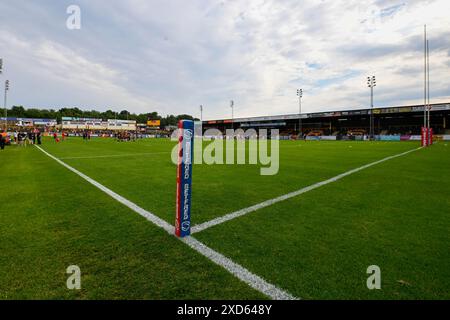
184	177
430	136
424	136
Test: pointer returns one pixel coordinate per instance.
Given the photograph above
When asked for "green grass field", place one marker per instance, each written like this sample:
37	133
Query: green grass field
317	245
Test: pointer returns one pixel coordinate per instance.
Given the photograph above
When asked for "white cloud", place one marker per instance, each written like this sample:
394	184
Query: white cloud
51	65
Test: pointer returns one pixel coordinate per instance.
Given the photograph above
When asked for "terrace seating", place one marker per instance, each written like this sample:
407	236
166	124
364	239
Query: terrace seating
315	133
356	132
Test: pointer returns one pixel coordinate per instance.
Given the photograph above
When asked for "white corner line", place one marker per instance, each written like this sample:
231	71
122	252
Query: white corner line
239	213
254	281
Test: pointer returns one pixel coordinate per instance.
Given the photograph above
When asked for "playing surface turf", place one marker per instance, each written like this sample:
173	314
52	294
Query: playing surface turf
318	245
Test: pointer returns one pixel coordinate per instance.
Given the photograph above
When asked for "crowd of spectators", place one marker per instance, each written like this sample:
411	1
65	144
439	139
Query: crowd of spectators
21	138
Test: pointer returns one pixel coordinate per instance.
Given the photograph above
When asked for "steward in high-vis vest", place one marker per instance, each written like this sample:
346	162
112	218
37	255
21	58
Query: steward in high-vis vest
2	140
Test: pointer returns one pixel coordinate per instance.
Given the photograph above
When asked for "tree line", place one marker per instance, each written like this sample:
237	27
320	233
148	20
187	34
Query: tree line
21	112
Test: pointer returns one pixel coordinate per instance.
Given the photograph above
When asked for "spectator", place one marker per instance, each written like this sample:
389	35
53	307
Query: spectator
2	140
29	139
21	138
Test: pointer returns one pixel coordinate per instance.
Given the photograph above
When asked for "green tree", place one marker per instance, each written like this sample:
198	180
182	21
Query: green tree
21	112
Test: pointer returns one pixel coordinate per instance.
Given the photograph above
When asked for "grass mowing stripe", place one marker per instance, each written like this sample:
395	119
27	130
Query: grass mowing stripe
114	155
148	215
270	202
299	167
237	270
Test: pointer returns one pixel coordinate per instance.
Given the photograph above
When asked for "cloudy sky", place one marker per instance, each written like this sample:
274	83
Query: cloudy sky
171	56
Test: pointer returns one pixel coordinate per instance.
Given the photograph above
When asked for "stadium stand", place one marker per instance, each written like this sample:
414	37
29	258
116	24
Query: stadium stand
401	120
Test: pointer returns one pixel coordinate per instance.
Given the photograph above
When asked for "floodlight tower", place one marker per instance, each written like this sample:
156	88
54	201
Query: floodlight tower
201	113
371	83
232	113
1	71
6	110
299	95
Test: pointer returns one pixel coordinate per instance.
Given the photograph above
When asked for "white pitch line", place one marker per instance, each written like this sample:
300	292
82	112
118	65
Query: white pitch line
254	281
113	155
235	269
239	213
